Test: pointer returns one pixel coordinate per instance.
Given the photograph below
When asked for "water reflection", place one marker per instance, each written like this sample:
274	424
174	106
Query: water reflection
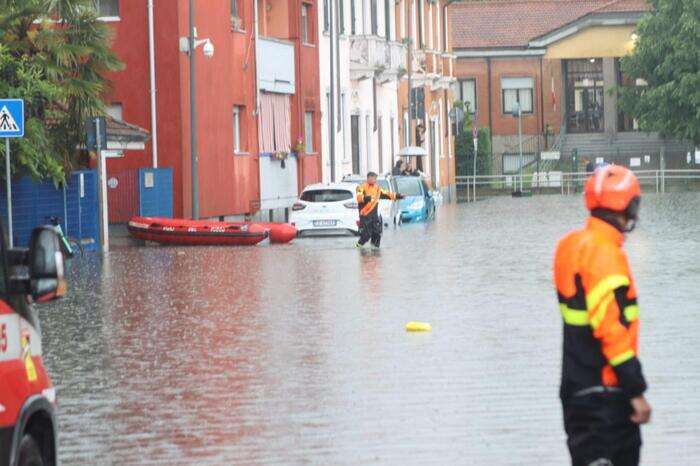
296	354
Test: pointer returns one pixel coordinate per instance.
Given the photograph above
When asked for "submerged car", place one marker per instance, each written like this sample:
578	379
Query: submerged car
326	209
389	210
418	203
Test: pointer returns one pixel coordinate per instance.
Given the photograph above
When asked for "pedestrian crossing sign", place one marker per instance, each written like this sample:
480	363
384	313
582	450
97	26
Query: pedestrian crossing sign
11	118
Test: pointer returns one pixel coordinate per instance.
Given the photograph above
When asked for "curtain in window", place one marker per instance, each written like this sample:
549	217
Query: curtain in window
510	97
275	123
267	123
526	100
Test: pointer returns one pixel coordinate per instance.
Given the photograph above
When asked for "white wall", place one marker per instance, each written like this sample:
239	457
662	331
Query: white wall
343	159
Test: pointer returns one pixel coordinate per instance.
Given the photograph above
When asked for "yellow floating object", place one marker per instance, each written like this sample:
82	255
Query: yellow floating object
418	327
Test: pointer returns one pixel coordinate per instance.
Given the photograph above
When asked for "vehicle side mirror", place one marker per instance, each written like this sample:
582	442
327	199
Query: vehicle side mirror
46	272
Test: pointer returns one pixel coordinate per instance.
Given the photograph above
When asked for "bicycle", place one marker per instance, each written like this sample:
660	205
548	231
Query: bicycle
69	246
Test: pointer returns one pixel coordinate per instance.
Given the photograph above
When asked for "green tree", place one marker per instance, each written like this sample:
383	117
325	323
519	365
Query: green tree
464	146
56	62
667	57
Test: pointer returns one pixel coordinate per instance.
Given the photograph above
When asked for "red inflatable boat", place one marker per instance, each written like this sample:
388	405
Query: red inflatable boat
194	232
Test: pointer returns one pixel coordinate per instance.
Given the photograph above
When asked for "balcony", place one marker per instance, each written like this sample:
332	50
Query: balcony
276	66
374	56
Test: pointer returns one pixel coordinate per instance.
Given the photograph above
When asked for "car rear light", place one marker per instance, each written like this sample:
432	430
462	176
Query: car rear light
351	205
298	206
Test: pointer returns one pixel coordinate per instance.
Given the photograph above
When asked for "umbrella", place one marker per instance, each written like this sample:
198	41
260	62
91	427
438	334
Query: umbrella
412	151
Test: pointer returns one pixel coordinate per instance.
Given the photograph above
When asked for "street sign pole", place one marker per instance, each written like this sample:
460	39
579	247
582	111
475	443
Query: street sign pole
8	185
475	137
102	183
11	126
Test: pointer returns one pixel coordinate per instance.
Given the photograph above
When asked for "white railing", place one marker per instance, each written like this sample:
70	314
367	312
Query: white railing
565	182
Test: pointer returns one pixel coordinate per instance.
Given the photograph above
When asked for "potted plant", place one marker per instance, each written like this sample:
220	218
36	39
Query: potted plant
299	147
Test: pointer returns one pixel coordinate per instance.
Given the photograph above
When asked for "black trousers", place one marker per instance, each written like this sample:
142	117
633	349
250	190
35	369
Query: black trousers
370	228
599	429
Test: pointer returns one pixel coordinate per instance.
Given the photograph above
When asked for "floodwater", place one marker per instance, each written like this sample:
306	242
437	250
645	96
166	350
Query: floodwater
297	354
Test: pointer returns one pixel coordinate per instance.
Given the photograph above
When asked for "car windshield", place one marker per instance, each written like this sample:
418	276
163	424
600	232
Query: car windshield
326	195
409	186
384	184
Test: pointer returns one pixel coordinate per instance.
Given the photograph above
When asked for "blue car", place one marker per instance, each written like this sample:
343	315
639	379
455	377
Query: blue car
418	204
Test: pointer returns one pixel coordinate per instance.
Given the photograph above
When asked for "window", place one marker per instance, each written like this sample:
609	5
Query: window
584	96
387	20
373	17
115	111
466	92
516	90
306	24
353	18
421	43
237	111
107	8
406	130
409	186
326	16
380	142
309	132
326	195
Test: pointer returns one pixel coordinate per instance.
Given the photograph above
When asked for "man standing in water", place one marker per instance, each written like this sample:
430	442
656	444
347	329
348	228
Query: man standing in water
368	195
602	383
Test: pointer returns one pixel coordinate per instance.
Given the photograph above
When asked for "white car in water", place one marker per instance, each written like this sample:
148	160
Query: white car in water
389	211
326	209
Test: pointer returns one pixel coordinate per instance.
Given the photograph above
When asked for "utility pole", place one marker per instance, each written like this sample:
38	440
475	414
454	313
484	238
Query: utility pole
331	110
193	117
409	69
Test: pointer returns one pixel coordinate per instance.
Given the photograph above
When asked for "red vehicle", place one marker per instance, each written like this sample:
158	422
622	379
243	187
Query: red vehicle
27	397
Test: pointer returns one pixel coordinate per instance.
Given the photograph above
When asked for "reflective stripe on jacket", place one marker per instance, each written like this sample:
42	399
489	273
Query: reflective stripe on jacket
598	303
376	193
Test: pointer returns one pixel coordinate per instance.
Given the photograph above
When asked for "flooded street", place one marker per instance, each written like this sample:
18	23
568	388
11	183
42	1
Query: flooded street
297	354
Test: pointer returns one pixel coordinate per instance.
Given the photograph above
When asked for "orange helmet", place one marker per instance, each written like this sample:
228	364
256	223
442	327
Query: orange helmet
613	188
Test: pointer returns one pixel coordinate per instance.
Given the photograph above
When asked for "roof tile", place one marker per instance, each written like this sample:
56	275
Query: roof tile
514	23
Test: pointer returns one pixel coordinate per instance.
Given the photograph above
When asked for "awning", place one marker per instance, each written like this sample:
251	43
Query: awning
125	136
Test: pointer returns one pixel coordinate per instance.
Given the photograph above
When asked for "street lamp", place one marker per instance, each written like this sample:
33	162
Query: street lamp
188	45
518	113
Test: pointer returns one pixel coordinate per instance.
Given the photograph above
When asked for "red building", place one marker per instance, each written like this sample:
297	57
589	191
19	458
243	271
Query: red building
232	178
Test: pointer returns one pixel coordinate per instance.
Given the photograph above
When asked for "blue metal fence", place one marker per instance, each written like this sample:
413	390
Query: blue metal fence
156	192
75	204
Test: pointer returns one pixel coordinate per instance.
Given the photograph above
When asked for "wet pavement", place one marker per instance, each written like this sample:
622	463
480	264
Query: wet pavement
297	354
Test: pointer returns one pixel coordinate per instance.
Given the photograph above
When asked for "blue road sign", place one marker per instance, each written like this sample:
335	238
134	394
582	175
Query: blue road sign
11	118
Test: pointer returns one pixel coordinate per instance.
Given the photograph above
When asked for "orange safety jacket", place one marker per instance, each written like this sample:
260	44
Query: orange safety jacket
376	193
598	302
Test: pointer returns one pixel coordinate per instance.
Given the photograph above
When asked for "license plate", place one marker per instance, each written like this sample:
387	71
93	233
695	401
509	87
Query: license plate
325	223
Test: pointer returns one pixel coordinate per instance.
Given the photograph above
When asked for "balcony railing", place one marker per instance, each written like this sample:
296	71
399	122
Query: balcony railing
372	55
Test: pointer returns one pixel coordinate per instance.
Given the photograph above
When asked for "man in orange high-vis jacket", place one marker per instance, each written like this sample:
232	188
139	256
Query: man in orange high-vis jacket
368	195
602	385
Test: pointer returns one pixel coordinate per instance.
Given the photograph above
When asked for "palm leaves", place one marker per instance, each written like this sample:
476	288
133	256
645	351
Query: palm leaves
57	63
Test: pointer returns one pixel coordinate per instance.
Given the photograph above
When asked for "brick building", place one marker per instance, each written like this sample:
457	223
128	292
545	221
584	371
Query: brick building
559	59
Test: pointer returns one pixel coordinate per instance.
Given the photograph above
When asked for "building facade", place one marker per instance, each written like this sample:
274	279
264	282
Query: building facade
258	103
561	64
365	48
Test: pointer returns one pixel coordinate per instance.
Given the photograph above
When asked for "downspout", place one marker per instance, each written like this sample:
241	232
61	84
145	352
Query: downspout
257	64
409	68
152	66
